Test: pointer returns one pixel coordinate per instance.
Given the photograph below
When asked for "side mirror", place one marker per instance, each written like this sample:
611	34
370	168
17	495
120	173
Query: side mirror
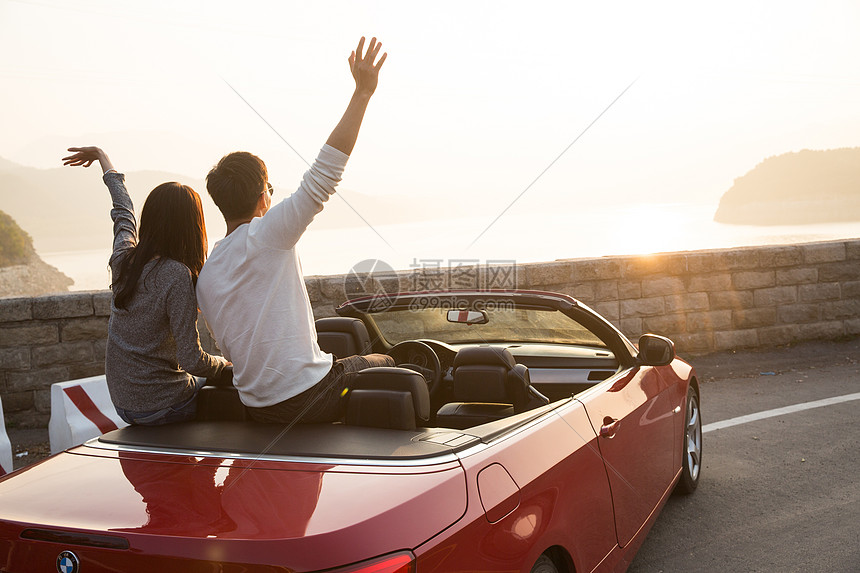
655	350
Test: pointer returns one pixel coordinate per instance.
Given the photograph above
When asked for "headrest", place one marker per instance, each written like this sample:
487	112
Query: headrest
484	356
398	380
489	374
342	336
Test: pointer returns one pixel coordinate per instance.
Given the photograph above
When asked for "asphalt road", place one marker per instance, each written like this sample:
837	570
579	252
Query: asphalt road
779	494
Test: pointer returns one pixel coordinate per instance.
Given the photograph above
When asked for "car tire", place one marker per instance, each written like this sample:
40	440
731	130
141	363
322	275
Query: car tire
544	565
691	449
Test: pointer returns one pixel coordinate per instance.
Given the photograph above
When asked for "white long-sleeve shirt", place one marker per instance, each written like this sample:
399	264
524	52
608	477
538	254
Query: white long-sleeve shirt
253	296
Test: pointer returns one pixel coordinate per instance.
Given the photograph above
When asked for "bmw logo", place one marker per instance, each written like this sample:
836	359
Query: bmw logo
67	562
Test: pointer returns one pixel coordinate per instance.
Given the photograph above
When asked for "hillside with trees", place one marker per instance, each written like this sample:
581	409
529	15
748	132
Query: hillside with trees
801	187
22	272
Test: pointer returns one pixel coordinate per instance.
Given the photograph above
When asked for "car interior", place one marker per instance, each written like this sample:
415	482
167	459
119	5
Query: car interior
481	391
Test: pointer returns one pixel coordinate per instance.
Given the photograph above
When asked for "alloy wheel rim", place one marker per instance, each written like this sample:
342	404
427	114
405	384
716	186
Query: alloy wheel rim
694	438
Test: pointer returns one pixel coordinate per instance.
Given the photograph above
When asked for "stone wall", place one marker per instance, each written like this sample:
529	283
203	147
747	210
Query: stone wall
704	300
45	340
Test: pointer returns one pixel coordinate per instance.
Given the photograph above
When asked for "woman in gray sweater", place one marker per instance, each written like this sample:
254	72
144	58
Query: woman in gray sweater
153	352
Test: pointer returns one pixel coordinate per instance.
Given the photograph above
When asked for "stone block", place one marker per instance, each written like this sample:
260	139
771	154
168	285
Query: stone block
37	379
822	330
312	284
92	328
730	300
42	401
77	371
101	303
851	289
100	346
642	307
710	282
332	289
14	358
645	265
797	276
852	326
580	291
16	309
839	272
799	313
735	339
598	269
686	302
753	279
778	335
629	289
606	291
775	295
63	306
17	401
609	310
709	321
63	353
666	324
727	260
324	311
545	274
840	309
753	318
662	286
631	327
852	250
694	343
819	292
823	252
29	334
782	256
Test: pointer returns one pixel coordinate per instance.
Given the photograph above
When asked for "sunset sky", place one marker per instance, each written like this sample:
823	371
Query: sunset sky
475	100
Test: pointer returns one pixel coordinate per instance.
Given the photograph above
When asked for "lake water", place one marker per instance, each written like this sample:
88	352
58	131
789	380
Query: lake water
531	237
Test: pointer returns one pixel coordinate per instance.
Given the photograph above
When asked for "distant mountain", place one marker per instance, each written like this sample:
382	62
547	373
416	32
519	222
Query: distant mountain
67	209
22	272
796	188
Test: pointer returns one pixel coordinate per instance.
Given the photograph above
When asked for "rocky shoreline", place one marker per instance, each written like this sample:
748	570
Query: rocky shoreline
34	278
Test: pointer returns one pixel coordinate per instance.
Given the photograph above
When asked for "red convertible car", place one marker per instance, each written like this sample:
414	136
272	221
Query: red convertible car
520	432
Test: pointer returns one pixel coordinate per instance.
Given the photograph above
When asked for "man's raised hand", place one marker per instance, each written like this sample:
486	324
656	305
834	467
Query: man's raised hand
364	70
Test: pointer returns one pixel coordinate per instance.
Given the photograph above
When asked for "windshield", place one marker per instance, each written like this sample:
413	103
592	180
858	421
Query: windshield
503	325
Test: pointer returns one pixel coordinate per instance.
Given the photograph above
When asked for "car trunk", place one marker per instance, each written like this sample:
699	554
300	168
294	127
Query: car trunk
119	510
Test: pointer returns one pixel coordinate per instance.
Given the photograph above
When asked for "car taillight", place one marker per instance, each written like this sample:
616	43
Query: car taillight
403	562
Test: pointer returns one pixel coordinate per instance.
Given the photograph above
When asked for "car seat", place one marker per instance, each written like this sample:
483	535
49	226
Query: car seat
388	397
488	385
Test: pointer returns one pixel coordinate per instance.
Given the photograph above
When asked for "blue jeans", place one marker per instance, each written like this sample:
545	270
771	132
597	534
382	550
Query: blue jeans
182	412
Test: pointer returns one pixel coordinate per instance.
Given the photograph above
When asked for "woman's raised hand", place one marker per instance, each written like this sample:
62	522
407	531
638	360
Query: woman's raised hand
85	156
365	72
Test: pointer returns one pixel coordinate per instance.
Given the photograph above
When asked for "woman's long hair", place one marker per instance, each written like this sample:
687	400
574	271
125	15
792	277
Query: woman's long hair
172	227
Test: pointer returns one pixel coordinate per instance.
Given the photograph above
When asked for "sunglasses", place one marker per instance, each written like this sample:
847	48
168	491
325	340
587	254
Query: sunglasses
269	188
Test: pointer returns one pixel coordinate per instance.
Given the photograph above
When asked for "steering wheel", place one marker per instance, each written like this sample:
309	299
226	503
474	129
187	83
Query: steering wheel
419	357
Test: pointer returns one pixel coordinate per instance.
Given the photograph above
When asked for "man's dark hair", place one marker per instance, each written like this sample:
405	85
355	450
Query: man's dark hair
236	182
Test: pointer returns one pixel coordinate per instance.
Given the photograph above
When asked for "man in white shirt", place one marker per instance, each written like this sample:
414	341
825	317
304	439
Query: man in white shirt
251	289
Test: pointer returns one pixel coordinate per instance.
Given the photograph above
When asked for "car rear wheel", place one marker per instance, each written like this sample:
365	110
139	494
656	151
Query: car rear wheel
544	565
692	452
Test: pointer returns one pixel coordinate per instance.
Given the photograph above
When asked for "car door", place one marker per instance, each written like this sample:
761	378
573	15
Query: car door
633	415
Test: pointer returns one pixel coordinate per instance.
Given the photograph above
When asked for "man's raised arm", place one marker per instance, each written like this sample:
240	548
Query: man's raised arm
366	75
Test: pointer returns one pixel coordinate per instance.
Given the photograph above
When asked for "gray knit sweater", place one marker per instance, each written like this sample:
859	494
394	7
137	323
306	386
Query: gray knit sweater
153	346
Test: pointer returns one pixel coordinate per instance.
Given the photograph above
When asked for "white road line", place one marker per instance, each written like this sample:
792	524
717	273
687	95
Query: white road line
779	412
